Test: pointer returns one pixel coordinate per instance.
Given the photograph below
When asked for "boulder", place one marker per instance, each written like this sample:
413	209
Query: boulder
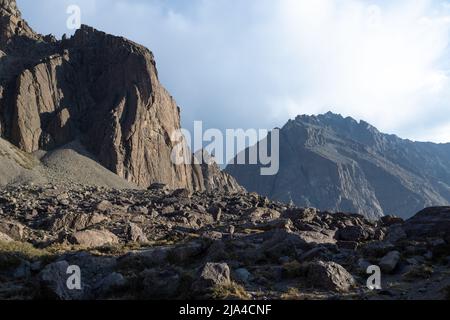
262	215
305	215
389	262
104	206
316	238
76	221
353	233
212	275
13	229
135	233
330	276
93	238
198	220
53	282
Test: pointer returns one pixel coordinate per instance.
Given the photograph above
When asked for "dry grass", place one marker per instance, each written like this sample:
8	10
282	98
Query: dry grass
292	294
231	291
13	253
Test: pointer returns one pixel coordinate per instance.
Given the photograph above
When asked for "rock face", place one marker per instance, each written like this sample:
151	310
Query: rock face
339	164
98	89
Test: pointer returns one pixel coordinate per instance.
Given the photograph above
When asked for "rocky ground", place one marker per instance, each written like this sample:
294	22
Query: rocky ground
163	244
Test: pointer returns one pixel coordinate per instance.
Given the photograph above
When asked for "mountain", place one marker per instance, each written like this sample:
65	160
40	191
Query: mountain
98	89
338	164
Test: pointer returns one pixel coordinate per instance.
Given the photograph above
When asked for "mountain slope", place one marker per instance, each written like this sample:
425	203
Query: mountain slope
66	166
95	88
17	166
339	164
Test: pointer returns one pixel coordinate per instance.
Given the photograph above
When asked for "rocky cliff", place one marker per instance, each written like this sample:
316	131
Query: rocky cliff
95	88
339	164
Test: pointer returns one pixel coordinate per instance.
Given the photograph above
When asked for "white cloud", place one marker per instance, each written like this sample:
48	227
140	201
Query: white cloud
255	63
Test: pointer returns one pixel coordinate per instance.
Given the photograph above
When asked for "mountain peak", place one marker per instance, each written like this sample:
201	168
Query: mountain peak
329	116
346	126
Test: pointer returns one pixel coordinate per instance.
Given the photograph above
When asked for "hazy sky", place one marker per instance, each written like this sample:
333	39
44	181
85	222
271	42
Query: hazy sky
257	63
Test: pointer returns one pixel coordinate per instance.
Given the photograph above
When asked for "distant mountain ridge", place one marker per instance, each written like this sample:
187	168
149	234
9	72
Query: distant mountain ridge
340	164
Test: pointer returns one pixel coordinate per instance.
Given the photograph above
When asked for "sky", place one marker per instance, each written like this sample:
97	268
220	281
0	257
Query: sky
258	63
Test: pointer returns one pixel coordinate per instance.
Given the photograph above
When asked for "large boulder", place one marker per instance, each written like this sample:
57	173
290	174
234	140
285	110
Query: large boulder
329	276
135	233
94	238
53	282
389	262
212	275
